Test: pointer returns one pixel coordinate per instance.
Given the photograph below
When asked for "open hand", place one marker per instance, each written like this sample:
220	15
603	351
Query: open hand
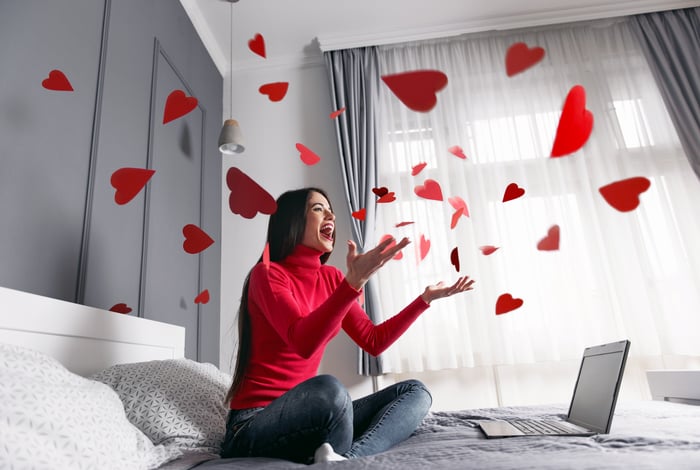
440	290
362	266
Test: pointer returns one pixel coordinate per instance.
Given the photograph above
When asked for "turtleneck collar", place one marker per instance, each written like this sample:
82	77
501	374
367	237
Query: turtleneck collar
304	257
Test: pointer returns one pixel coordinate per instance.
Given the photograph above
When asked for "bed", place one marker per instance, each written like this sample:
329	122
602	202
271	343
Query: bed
86	388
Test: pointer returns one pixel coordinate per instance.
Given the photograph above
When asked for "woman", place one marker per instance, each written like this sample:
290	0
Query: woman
291	307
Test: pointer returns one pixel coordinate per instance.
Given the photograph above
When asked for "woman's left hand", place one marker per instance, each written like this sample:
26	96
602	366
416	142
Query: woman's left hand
440	290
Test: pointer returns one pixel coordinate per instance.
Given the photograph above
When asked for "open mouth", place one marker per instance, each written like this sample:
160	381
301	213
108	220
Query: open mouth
327	231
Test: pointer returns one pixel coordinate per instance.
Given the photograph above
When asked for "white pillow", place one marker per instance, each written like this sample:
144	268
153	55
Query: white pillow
178	403
51	418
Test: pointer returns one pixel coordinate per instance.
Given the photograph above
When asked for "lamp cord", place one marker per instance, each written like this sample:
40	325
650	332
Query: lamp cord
230	63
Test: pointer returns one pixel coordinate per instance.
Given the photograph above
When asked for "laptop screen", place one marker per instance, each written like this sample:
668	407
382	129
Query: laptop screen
595	394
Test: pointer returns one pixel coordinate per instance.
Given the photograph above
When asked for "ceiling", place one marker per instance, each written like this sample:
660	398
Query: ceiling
295	31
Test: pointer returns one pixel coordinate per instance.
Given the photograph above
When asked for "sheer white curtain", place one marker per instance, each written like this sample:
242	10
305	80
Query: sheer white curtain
616	275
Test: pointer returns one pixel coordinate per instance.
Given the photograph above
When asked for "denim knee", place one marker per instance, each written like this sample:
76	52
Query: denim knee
417	385
325	392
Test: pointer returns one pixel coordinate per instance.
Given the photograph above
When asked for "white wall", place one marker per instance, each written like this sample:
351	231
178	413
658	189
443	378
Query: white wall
271	131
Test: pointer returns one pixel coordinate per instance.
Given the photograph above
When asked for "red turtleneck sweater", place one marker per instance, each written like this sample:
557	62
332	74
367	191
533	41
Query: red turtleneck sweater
296	307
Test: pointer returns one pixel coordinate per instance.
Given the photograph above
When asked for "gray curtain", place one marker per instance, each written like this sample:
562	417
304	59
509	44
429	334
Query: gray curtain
671	43
354	80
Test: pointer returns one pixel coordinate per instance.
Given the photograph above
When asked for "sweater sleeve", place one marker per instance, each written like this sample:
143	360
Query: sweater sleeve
303	331
375	339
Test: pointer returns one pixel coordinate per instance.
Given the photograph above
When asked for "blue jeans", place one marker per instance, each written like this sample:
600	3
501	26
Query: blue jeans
320	410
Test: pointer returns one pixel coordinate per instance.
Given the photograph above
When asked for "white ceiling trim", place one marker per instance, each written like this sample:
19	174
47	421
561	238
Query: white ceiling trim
613	9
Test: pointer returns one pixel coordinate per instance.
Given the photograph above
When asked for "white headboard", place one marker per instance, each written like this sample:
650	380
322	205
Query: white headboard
84	339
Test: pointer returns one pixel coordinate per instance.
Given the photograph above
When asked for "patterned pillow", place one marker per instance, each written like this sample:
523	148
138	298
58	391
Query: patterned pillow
178	403
51	418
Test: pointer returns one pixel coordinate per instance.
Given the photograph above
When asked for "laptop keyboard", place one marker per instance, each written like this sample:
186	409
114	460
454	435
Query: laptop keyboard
541	427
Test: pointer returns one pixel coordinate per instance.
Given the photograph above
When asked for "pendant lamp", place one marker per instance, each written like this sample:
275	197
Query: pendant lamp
231	138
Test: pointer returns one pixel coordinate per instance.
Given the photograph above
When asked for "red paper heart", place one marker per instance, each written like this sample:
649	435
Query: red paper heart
454	258
403	224
575	124
177	105
128	182
458	203
506	303
417	89
274	91
257	45
457	151
418	168
551	241
266	255
196	239
120	308
456	216
513	191
247	198
398	255
423	248
488	249
307	155
360	214
380	191
519	58
623	195
388	197
202	297
57	81
430	189
337	113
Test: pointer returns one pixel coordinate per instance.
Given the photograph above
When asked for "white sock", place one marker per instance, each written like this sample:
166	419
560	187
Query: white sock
325	453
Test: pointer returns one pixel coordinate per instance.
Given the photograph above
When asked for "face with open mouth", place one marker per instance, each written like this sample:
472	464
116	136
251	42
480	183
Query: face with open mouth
319	232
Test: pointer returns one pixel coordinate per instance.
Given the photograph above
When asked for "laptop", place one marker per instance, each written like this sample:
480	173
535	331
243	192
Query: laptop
592	404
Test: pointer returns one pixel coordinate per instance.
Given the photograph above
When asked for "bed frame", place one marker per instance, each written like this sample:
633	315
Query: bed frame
84	339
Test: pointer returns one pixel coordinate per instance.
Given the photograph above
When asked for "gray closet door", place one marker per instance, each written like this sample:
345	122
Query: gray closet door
46	140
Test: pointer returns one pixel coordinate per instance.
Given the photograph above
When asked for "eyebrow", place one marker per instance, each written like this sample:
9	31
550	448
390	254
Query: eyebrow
320	204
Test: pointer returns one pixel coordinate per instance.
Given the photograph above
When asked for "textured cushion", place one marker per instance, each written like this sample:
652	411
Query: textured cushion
51	418
178	403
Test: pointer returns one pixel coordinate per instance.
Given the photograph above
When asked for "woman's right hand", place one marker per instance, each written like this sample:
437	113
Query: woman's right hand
362	266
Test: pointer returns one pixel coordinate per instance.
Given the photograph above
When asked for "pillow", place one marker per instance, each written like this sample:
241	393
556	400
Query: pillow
178	403
52	418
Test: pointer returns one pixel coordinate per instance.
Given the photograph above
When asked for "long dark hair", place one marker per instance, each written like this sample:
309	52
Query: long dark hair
285	230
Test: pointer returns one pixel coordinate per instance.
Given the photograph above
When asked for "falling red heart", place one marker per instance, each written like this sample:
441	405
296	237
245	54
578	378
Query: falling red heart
417	89
257	45
379	192
423	248
120	308
388	197
488	249
275	91
519	58
454	258
403	224
575	124
307	155
337	113
551	241
456	216
196	239
266	255
624	195
418	168
177	105
247	197
458	203
128	182
398	255
57	81
506	303
202	297
457	151
513	191
360	214
430	189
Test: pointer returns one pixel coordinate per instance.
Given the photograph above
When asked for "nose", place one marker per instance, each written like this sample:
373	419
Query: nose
330	215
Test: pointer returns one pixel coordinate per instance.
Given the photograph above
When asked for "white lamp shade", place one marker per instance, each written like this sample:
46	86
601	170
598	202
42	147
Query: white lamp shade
231	138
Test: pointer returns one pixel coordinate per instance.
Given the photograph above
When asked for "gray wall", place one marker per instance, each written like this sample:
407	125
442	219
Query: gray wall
62	233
